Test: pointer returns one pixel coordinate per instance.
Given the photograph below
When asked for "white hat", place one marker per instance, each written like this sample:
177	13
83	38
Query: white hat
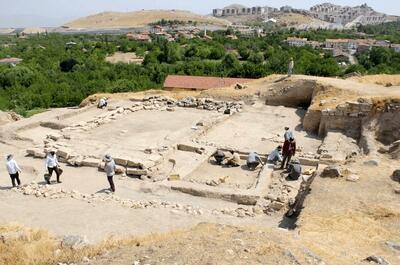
107	158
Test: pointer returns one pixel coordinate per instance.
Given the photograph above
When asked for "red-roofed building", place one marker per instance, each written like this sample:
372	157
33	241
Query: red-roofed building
139	37
178	82
157	29
12	61
395	47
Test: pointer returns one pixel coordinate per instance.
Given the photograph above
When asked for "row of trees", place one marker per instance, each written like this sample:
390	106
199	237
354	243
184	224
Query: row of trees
54	74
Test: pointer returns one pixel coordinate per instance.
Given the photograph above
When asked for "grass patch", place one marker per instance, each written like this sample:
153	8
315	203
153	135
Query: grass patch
30	113
26	246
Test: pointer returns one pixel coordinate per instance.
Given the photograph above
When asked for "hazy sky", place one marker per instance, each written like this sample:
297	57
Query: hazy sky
19	13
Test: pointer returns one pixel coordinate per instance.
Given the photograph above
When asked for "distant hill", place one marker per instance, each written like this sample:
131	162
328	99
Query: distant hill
283	19
141	18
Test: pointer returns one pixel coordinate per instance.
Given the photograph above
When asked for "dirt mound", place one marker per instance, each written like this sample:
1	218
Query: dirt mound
210	244
384	80
138	95
292	19
7	117
141	19
283	19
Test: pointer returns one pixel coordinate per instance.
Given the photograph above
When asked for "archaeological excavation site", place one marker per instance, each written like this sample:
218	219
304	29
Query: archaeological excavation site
175	199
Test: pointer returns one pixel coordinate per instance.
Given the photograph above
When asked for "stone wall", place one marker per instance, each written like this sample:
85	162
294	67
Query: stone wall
58	141
346	117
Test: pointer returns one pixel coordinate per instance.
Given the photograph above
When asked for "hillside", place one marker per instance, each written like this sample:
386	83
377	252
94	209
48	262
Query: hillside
294	19
140	19
385	80
283	19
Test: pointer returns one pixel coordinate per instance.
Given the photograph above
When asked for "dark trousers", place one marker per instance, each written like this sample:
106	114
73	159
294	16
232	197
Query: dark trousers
286	160
55	169
111	181
252	165
219	159
15	177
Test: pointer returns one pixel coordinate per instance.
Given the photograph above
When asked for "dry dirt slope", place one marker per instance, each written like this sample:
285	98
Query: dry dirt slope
140	19
385	80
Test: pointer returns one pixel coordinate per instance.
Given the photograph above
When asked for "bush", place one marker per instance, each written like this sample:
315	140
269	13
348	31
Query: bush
68	65
17	76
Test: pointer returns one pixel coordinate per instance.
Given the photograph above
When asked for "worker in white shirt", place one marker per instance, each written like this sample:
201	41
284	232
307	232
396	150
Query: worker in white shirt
52	165
276	155
102	103
14	170
288	134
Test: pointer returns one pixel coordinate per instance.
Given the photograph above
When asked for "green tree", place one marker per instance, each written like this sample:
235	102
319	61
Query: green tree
17	76
68	65
256	57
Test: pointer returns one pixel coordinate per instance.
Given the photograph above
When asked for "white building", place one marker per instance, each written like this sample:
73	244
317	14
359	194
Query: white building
342	44
237	10
286	9
297	42
362	14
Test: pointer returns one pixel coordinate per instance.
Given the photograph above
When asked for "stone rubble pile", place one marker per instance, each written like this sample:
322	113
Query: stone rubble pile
392	107
74	242
49	192
331	172
226	107
280	195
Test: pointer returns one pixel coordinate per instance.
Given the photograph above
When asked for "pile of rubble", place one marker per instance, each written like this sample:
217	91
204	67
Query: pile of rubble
281	194
225	107
49	192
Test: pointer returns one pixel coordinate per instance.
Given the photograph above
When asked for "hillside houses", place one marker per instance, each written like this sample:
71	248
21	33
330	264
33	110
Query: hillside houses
396	47
297	42
240	10
354	45
301	42
142	37
169	34
362	14
345	44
